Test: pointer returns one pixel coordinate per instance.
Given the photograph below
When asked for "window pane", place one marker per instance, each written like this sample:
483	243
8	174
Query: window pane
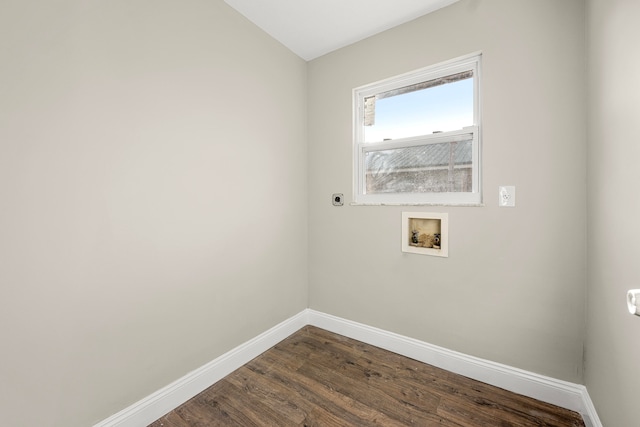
422	109
431	168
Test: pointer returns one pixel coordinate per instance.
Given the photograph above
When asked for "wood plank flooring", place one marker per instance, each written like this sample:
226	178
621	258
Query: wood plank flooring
317	378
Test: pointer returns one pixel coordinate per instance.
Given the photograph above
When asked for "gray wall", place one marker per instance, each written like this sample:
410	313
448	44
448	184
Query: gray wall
152	197
513	287
154	210
613	340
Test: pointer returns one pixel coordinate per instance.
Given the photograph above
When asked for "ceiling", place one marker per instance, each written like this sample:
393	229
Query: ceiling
312	28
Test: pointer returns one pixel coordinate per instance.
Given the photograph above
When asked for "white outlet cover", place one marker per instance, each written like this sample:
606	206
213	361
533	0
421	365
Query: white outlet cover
507	196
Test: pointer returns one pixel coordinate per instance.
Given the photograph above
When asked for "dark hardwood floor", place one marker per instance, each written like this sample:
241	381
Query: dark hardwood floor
317	378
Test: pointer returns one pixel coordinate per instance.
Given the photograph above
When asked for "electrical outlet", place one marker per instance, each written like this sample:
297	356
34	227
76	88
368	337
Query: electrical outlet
507	196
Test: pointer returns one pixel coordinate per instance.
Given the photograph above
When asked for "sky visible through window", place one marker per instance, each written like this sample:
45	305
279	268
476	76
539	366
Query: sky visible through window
441	108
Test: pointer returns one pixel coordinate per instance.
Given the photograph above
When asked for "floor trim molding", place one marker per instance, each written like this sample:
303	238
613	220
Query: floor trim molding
561	393
567	395
154	406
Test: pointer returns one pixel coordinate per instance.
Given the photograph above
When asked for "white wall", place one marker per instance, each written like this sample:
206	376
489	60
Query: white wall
513	287
153	201
612	372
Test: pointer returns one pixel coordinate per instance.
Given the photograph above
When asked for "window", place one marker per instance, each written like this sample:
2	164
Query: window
417	137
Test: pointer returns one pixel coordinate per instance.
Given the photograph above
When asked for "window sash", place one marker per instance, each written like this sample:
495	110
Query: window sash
369	102
464	67
408	198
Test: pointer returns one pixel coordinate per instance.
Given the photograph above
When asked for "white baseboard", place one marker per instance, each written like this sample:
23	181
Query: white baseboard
590	415
154	406
561	393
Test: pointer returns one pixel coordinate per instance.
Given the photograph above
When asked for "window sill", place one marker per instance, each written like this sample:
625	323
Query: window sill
465	205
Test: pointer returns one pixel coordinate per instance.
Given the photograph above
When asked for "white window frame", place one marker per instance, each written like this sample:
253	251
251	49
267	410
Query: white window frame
473	198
